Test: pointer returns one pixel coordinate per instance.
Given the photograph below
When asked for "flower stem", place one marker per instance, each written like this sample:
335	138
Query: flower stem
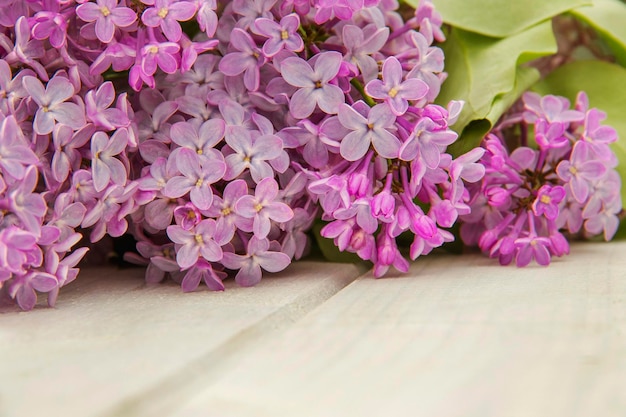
359	87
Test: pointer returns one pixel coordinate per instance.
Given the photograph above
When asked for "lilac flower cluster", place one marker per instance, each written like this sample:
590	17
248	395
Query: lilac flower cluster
254	118
217	132
307	106
530	199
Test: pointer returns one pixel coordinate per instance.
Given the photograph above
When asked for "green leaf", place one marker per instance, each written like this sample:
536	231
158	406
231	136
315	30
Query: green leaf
603	82
500	18
608	18
476	130
485	72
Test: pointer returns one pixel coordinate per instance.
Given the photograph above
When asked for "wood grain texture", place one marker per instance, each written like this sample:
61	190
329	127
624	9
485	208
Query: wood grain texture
114	346
459	336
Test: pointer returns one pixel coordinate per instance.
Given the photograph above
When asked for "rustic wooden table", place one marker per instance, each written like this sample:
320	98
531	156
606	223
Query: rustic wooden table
458	336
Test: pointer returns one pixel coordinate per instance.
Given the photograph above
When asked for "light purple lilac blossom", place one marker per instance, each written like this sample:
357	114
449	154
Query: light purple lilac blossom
218	150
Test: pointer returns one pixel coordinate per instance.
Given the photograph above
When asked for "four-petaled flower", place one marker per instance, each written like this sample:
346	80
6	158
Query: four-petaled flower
103	162
167	14
394	90
258	256
580	170
547	201
197	177
263	207
281	35
53	105
196	242
369	126
314	87
107	15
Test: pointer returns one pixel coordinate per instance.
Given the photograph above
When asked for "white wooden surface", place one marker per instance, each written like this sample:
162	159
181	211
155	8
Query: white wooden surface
458	336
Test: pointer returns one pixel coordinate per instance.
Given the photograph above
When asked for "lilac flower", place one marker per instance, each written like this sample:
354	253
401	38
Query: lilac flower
394	90
263	207
51	25
24	286
579	170
427	65
167	14
108	214
258	256
98	111
52	104
203	271
251	154
11	88
223	209
117	55
15	248
296	241
388	255
164	55
532	247
206	17
103	162
427	139
197	177
605	221
551	108
598	136
26	50
251	10
361	44
368	127
547	201
200	138
247	60
66	144
108	15
281	35
191	244
187	216
15	155
313	83
28	206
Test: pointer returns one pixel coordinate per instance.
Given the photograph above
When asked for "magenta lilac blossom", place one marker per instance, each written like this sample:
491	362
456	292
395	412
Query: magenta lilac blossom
530	199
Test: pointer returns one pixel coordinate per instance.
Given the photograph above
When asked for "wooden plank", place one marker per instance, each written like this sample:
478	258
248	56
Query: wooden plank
461	336
112	342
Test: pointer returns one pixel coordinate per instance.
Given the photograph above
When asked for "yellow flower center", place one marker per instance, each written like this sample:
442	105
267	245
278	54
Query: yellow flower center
199	239
199	152
545	199
45	109
318	84
199	182
284	35
393	92
573	170
191	215
162	12
258	207
226	211
105	11
153	49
